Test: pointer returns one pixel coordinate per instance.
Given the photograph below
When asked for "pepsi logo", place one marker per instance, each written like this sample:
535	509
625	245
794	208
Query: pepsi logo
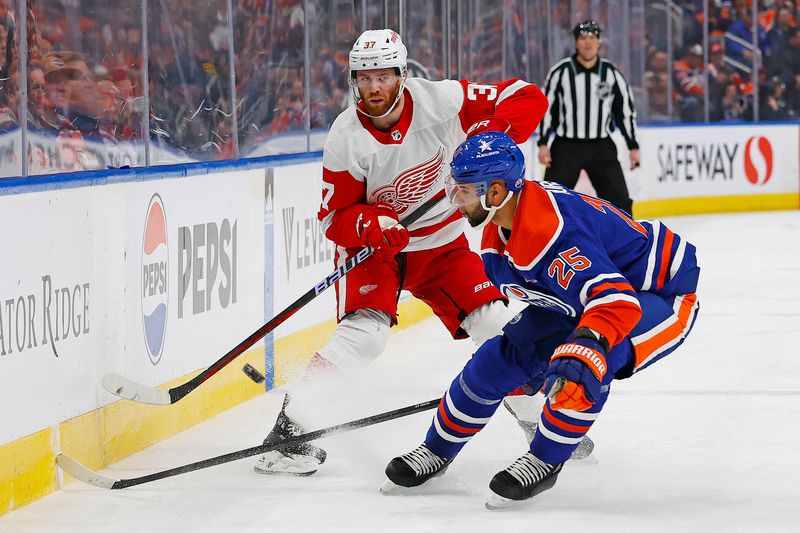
758	160
154	278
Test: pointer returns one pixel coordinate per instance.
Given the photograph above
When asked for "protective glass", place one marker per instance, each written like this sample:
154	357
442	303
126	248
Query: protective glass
463	194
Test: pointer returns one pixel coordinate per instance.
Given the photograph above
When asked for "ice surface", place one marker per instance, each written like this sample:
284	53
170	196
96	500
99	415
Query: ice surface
704	440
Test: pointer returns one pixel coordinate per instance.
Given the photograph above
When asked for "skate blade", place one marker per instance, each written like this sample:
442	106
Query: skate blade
289	466
295	473
390	488
589	460
496	502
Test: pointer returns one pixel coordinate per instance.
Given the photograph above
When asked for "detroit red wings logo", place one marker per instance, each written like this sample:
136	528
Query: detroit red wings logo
410	186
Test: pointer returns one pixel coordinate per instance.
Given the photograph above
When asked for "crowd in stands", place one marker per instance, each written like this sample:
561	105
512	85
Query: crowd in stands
86	68
734	69
85	72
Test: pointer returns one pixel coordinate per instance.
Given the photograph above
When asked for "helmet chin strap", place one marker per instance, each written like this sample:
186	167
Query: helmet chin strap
492	210
358	98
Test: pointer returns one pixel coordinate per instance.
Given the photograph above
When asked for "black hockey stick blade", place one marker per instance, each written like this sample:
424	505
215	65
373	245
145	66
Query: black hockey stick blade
123	387
81	473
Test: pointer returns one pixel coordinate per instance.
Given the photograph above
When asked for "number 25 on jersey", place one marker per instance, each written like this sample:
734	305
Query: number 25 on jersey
563	267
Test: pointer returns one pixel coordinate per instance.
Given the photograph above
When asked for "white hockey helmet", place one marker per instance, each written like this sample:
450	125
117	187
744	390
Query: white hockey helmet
378	49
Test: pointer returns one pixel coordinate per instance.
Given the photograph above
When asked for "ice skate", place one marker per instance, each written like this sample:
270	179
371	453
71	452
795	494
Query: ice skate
523	479
301	459
413	469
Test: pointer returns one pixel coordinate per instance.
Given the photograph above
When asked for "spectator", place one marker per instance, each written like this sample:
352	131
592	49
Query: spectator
786	61
291	109
786	67
743	29
38	103
718	77
84	102
773	101
656	85
734	105
655	82
689	84
719	17
57	76
777	35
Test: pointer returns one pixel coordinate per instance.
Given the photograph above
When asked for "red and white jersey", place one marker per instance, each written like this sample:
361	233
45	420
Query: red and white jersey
405	166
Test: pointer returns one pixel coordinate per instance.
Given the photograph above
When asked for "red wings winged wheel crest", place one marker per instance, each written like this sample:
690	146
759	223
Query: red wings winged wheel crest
412	185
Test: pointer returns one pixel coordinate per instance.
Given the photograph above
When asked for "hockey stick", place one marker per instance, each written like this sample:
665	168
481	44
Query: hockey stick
123	387
81	473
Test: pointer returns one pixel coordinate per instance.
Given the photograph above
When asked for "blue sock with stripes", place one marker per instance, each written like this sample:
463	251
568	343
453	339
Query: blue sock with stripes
474	396
461	415
560	431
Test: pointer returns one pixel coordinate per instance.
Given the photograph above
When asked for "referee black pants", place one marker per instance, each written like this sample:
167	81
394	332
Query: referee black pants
599	159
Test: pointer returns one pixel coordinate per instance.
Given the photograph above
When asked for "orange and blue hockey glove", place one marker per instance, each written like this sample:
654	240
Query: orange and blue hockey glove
576	370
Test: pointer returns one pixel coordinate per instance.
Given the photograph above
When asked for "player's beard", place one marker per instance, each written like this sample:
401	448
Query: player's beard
388	100
476	215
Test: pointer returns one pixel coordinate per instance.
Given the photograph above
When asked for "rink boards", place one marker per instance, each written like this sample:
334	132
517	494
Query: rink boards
156	273
153	274
696	169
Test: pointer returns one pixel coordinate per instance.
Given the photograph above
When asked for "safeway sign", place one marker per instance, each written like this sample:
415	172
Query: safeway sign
719	161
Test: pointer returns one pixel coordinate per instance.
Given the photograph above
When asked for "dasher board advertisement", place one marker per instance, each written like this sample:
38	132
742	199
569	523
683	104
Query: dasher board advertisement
194	265
688	162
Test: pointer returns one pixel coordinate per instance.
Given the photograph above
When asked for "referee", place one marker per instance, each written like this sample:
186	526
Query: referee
585	92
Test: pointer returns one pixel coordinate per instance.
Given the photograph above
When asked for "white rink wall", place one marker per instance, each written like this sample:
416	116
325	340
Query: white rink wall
80	286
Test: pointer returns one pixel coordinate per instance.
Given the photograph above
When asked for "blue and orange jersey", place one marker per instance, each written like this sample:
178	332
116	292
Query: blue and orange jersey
581	256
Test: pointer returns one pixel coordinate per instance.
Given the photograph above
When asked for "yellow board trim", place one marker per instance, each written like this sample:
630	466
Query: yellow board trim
715	204
111	433
26	470
107	435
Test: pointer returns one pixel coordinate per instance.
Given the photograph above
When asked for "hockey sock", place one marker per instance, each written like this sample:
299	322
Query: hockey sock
461	415
475	395
561	431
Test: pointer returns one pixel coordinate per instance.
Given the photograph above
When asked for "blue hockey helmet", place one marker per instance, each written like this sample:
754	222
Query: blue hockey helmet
479	161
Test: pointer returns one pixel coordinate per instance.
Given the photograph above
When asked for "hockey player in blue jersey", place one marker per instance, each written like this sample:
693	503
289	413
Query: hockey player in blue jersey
608	296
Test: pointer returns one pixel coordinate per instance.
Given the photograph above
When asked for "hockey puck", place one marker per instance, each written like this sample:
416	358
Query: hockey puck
252	373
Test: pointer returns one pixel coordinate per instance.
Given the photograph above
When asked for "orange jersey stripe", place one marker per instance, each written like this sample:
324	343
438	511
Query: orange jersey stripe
645	349
613	320
452	425
566	426
537	224
620	286
666	254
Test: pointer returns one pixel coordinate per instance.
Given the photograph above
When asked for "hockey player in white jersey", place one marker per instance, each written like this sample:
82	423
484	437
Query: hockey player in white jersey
382	159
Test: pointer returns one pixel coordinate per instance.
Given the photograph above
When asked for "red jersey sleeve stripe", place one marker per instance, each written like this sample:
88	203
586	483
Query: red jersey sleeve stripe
522	104
340	189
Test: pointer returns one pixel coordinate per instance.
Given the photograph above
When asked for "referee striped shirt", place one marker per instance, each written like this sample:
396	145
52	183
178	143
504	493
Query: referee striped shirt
584	101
